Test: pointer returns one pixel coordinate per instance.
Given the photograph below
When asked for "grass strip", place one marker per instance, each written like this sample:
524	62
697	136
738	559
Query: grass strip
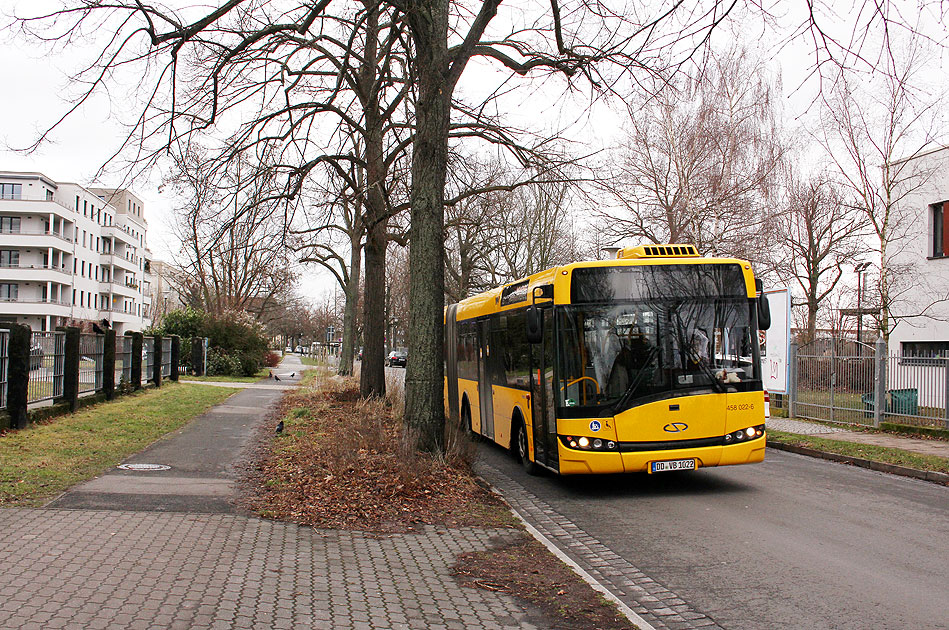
45	459
871	452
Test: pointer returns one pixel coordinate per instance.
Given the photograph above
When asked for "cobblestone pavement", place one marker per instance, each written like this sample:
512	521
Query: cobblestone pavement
654	603
168	549
801	427
108	569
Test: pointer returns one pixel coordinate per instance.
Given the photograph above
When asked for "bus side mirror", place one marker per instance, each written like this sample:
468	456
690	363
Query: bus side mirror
534	325
764	308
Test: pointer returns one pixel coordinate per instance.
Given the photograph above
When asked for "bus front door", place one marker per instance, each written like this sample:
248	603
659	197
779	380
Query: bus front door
485	393
544	423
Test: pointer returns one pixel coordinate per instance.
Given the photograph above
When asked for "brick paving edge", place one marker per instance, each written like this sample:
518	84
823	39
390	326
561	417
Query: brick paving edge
628	612
903	471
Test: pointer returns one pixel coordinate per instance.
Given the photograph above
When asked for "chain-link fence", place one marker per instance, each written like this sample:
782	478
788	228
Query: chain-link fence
4	362
123	360
91	361
841	381
47	363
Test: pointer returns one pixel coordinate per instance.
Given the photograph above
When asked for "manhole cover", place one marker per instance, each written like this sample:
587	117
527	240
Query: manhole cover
144	467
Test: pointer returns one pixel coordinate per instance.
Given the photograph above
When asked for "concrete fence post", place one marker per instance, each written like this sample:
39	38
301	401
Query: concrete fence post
175	357
792	379
70	367
18	373
156	360
879	382
108	365
136	376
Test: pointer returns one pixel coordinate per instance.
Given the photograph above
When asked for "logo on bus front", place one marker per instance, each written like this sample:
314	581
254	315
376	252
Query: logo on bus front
675	427
595	426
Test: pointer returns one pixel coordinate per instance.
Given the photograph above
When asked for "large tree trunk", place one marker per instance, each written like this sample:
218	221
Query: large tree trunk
424	398
373	378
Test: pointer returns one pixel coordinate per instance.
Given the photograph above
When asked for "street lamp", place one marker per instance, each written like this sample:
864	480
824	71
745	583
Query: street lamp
860	269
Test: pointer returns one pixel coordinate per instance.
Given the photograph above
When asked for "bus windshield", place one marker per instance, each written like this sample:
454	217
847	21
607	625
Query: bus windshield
696	337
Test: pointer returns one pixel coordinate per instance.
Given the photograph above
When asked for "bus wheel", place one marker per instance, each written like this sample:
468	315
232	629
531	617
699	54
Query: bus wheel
523	452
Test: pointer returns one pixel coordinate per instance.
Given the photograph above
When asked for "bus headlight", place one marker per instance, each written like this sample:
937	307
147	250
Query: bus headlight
744	434
582	443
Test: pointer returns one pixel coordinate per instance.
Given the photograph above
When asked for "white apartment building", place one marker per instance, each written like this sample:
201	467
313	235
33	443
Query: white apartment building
70	254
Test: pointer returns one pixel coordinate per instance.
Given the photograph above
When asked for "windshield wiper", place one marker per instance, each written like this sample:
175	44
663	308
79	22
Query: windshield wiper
633	385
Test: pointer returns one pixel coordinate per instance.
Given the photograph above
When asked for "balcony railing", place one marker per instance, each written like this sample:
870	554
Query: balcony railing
61	269
32	300
23	232
33	199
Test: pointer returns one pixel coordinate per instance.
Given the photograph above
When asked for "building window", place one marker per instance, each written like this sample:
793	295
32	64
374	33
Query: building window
11	191
10	225
9	258
940	229
9	291
924	352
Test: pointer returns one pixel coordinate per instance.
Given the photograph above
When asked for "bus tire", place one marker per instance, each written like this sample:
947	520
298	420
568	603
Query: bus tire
522	449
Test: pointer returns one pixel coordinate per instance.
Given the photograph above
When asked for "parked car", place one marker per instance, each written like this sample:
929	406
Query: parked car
287	350
397	358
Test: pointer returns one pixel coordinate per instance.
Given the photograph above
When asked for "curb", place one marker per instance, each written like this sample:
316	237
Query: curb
903	471
628	612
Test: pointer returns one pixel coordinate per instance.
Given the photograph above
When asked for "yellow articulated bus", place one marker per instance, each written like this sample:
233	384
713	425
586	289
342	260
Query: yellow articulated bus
649	362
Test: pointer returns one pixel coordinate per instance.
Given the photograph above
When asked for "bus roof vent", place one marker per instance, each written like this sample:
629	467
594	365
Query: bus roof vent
659	251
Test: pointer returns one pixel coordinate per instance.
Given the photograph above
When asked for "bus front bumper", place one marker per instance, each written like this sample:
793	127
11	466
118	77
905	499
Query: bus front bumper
574	462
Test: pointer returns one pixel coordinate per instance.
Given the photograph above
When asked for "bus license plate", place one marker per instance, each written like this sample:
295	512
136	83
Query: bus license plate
673	464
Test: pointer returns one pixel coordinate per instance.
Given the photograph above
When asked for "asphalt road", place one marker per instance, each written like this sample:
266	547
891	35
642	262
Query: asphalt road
793	542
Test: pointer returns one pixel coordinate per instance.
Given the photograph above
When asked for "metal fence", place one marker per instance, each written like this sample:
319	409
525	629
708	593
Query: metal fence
4	361
148	357
47	363
91	362
841	381
123	360
166	357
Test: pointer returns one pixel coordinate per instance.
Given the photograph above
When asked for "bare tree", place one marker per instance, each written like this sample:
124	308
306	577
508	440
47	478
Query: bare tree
701	161
873	131
233	254
334	228
819	235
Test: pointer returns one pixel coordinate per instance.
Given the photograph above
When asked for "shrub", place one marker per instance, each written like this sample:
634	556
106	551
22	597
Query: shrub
237	344
220	363
272	359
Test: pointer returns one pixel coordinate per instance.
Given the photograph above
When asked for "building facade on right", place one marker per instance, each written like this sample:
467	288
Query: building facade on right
922	312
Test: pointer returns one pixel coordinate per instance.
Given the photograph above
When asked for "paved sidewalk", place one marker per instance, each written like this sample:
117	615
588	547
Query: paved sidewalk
939	448
169	549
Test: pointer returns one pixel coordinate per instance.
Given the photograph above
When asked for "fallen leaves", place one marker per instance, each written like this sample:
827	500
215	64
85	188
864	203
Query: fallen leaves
344	465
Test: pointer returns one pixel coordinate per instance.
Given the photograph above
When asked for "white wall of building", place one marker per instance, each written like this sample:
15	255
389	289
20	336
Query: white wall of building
930	270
